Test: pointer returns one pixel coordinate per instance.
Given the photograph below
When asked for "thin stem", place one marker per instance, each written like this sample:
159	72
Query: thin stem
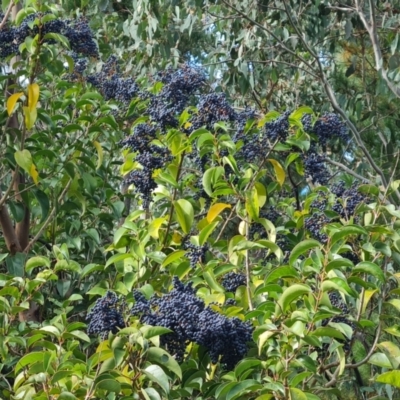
49	218
6	15
171	211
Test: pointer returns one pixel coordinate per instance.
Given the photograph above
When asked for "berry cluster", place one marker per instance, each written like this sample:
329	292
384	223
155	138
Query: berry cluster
255	146
328	127
321	202
347	199
150	156
337	302
77	32
232	281
105	316
212	108
195	254
166	106
315	167
314	225
278	128
257	230
191	321
112	85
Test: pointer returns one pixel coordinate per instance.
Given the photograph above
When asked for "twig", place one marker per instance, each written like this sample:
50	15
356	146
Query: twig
347	169
49	218
6	15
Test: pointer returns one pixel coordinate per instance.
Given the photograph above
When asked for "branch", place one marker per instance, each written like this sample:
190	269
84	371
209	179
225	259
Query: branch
371	29
48	220
6	15
364	360
9	234
348	170
279	42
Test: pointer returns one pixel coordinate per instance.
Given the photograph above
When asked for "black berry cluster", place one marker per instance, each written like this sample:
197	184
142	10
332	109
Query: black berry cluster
195	254
314	224
112	84
348	200
150	157
77	32
329	127
337	302
212	108
278	128
230	302
191	321
106	316
232	281
179	85
321	202
315	167
257	230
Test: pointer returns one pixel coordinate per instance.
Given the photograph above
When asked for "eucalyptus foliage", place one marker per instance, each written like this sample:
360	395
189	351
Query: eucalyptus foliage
138	211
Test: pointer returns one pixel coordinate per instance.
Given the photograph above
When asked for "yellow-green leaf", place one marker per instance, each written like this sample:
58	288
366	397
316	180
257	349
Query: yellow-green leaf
12	101
24	159
30	117
391	378
367	297
261	193
99	154
252	204
215	210
33	96
154	227
34	174
279	171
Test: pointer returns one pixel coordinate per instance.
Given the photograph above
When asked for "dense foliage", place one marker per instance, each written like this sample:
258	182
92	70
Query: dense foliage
162	239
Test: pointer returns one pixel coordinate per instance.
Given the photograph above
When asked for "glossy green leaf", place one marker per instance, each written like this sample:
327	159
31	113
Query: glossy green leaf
184	214
301	248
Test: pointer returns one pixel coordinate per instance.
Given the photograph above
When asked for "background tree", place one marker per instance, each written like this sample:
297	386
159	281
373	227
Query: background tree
252	254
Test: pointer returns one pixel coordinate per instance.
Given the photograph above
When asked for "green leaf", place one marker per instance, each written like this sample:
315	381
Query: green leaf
24	159
206	232
152	331
43	201
297	114
184	214
289	295
381	360
37	261
157	375
242	388
297	394
370	268
176	255
212	282
161	357
281	272
58	37
210	177
347	231
110	385
252	204
326	331
338	263
302	248
29	360
245	365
